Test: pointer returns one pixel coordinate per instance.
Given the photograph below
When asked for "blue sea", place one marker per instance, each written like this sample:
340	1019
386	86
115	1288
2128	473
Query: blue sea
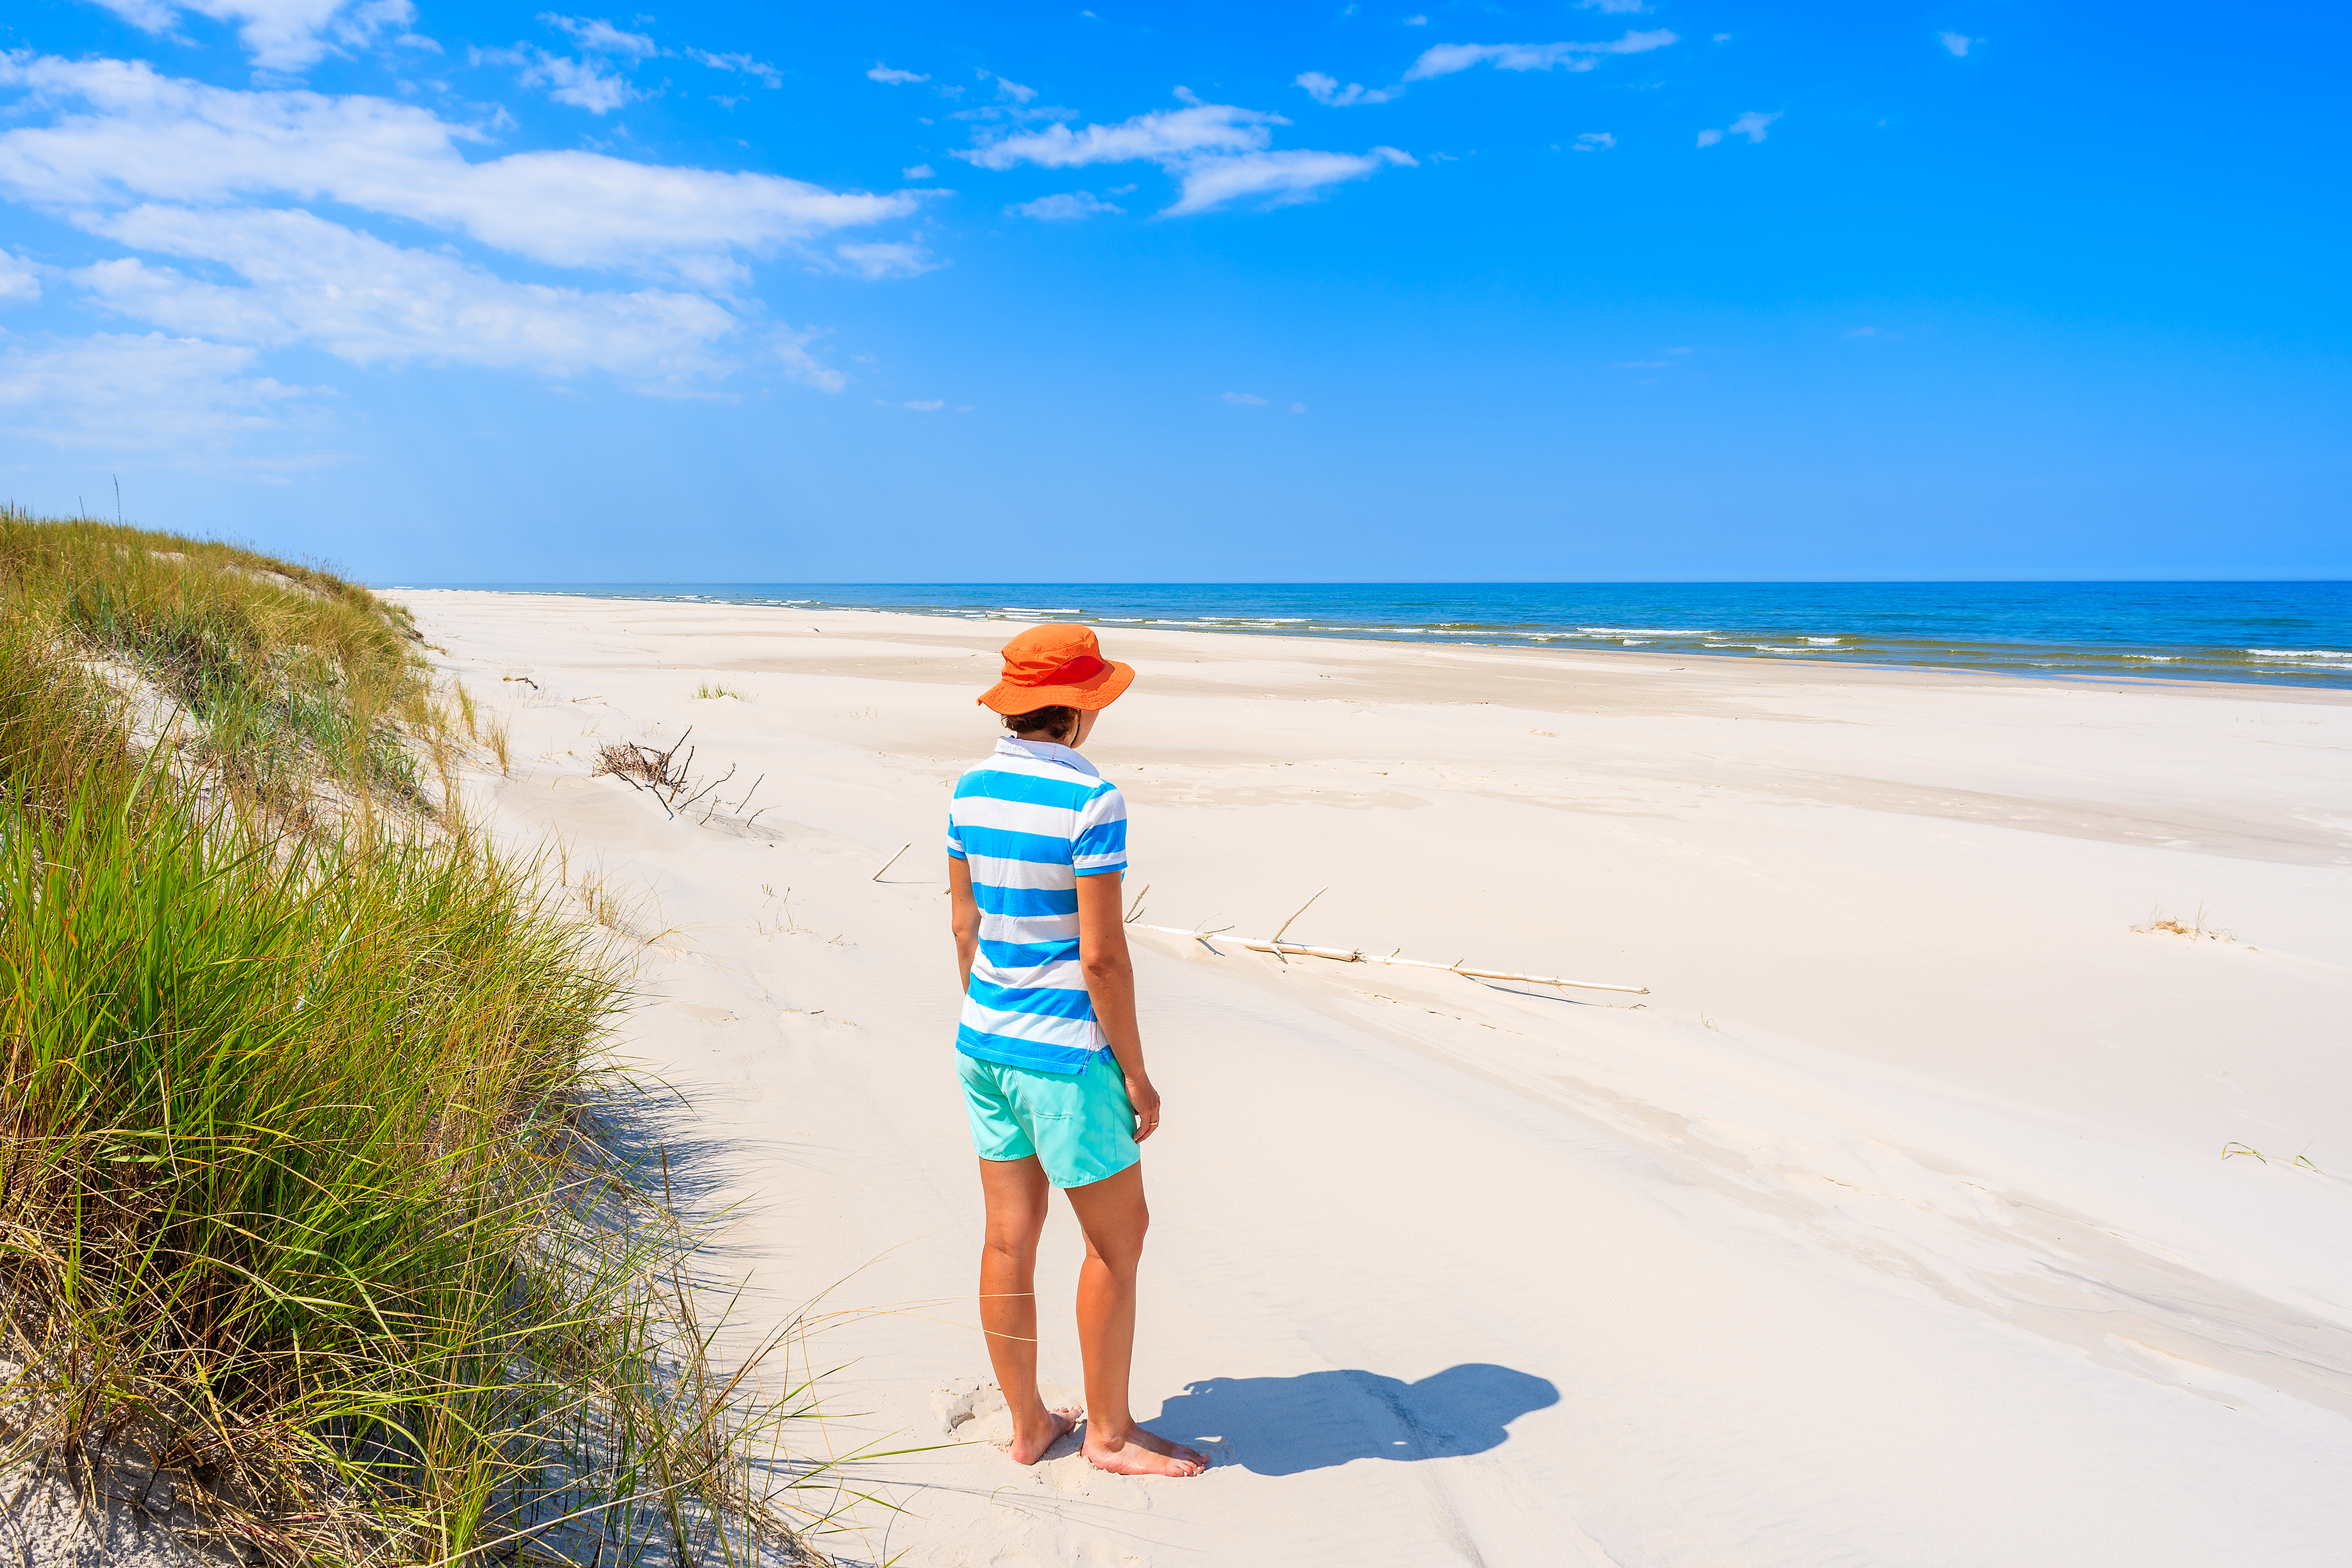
2289	633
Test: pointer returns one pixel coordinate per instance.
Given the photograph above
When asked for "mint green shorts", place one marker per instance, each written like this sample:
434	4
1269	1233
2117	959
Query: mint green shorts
1080	1126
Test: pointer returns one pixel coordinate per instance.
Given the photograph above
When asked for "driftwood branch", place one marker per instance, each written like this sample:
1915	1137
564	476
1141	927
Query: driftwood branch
890	862
1286	951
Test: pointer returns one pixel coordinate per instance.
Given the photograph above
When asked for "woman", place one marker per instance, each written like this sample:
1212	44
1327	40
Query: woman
1051	1059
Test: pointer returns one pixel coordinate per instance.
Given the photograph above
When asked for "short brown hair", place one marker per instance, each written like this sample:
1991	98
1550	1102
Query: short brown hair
1056	722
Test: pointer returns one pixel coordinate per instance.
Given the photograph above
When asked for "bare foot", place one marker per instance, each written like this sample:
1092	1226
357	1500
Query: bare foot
1028	1448
1142	1453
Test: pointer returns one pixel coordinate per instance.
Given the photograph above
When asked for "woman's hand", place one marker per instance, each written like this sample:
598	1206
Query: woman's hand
1146	1100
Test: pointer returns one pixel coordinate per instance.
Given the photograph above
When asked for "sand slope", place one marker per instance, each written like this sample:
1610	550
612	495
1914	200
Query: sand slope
1891	1227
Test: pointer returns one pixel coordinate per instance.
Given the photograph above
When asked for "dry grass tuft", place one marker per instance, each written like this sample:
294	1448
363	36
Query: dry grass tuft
2197	927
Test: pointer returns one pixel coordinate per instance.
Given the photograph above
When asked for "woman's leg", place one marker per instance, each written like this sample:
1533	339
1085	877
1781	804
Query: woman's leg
1112	1214
1015	1190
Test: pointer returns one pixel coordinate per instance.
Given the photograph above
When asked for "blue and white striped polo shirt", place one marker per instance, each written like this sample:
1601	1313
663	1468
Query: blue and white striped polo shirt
1029	822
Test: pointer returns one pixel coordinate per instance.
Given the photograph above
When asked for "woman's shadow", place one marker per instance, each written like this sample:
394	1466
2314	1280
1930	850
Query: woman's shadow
1282	1426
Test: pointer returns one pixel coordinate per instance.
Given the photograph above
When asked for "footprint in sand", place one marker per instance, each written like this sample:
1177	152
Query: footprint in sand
971	1410
965	1401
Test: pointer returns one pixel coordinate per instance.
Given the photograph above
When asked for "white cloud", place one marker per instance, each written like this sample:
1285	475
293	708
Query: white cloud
122	133
1416	21
1218	152
1595	141
919	172
1284	177
1752	125
117	392
894	259
279	35
930	406
602	36
19	284
1248	397
313	282
1299	408
890	77
1444	60
588	84
768	74
1958	43
1011	90
148	16
1326	90
792	351
1063	207
1611	7
1163	134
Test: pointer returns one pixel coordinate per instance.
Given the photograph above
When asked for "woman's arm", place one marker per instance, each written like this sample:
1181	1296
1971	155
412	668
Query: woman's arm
1111	982
964	915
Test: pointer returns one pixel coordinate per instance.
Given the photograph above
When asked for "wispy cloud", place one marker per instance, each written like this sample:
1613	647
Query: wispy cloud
119	392
892	78
1444	60
1249	397
602	37
1595	141
1958	43
1325	90
1752	125
121	133
582	82
280	35
1219	153
767	74
1282	178
919	172
1063	207
1612	7
888	259
311	282
19	284
1163	134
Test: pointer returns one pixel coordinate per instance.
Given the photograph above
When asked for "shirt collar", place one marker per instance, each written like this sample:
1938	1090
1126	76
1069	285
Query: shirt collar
1046	751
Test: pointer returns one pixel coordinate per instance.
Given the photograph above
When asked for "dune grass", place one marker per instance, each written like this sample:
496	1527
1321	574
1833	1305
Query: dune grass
303	1189
291	674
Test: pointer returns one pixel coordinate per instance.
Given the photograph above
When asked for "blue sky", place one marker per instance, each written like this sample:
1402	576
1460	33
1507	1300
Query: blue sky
1556	291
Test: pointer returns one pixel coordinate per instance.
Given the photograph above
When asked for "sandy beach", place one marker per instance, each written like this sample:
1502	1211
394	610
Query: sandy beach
1892	1225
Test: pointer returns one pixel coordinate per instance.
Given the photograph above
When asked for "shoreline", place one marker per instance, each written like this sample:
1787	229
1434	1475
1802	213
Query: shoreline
1925	1110
2342	691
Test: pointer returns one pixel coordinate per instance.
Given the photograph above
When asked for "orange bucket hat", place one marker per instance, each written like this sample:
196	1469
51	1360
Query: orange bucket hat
1056	667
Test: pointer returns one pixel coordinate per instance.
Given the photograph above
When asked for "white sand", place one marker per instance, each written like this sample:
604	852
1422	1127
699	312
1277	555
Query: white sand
1893	1228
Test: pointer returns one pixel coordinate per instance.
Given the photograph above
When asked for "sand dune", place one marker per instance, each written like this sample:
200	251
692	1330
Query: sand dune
1891	1227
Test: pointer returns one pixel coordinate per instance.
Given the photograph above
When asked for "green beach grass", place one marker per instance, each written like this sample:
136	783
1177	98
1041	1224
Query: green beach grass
307	1195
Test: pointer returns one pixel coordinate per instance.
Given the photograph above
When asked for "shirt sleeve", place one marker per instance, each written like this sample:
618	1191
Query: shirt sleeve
955	836
1100	844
